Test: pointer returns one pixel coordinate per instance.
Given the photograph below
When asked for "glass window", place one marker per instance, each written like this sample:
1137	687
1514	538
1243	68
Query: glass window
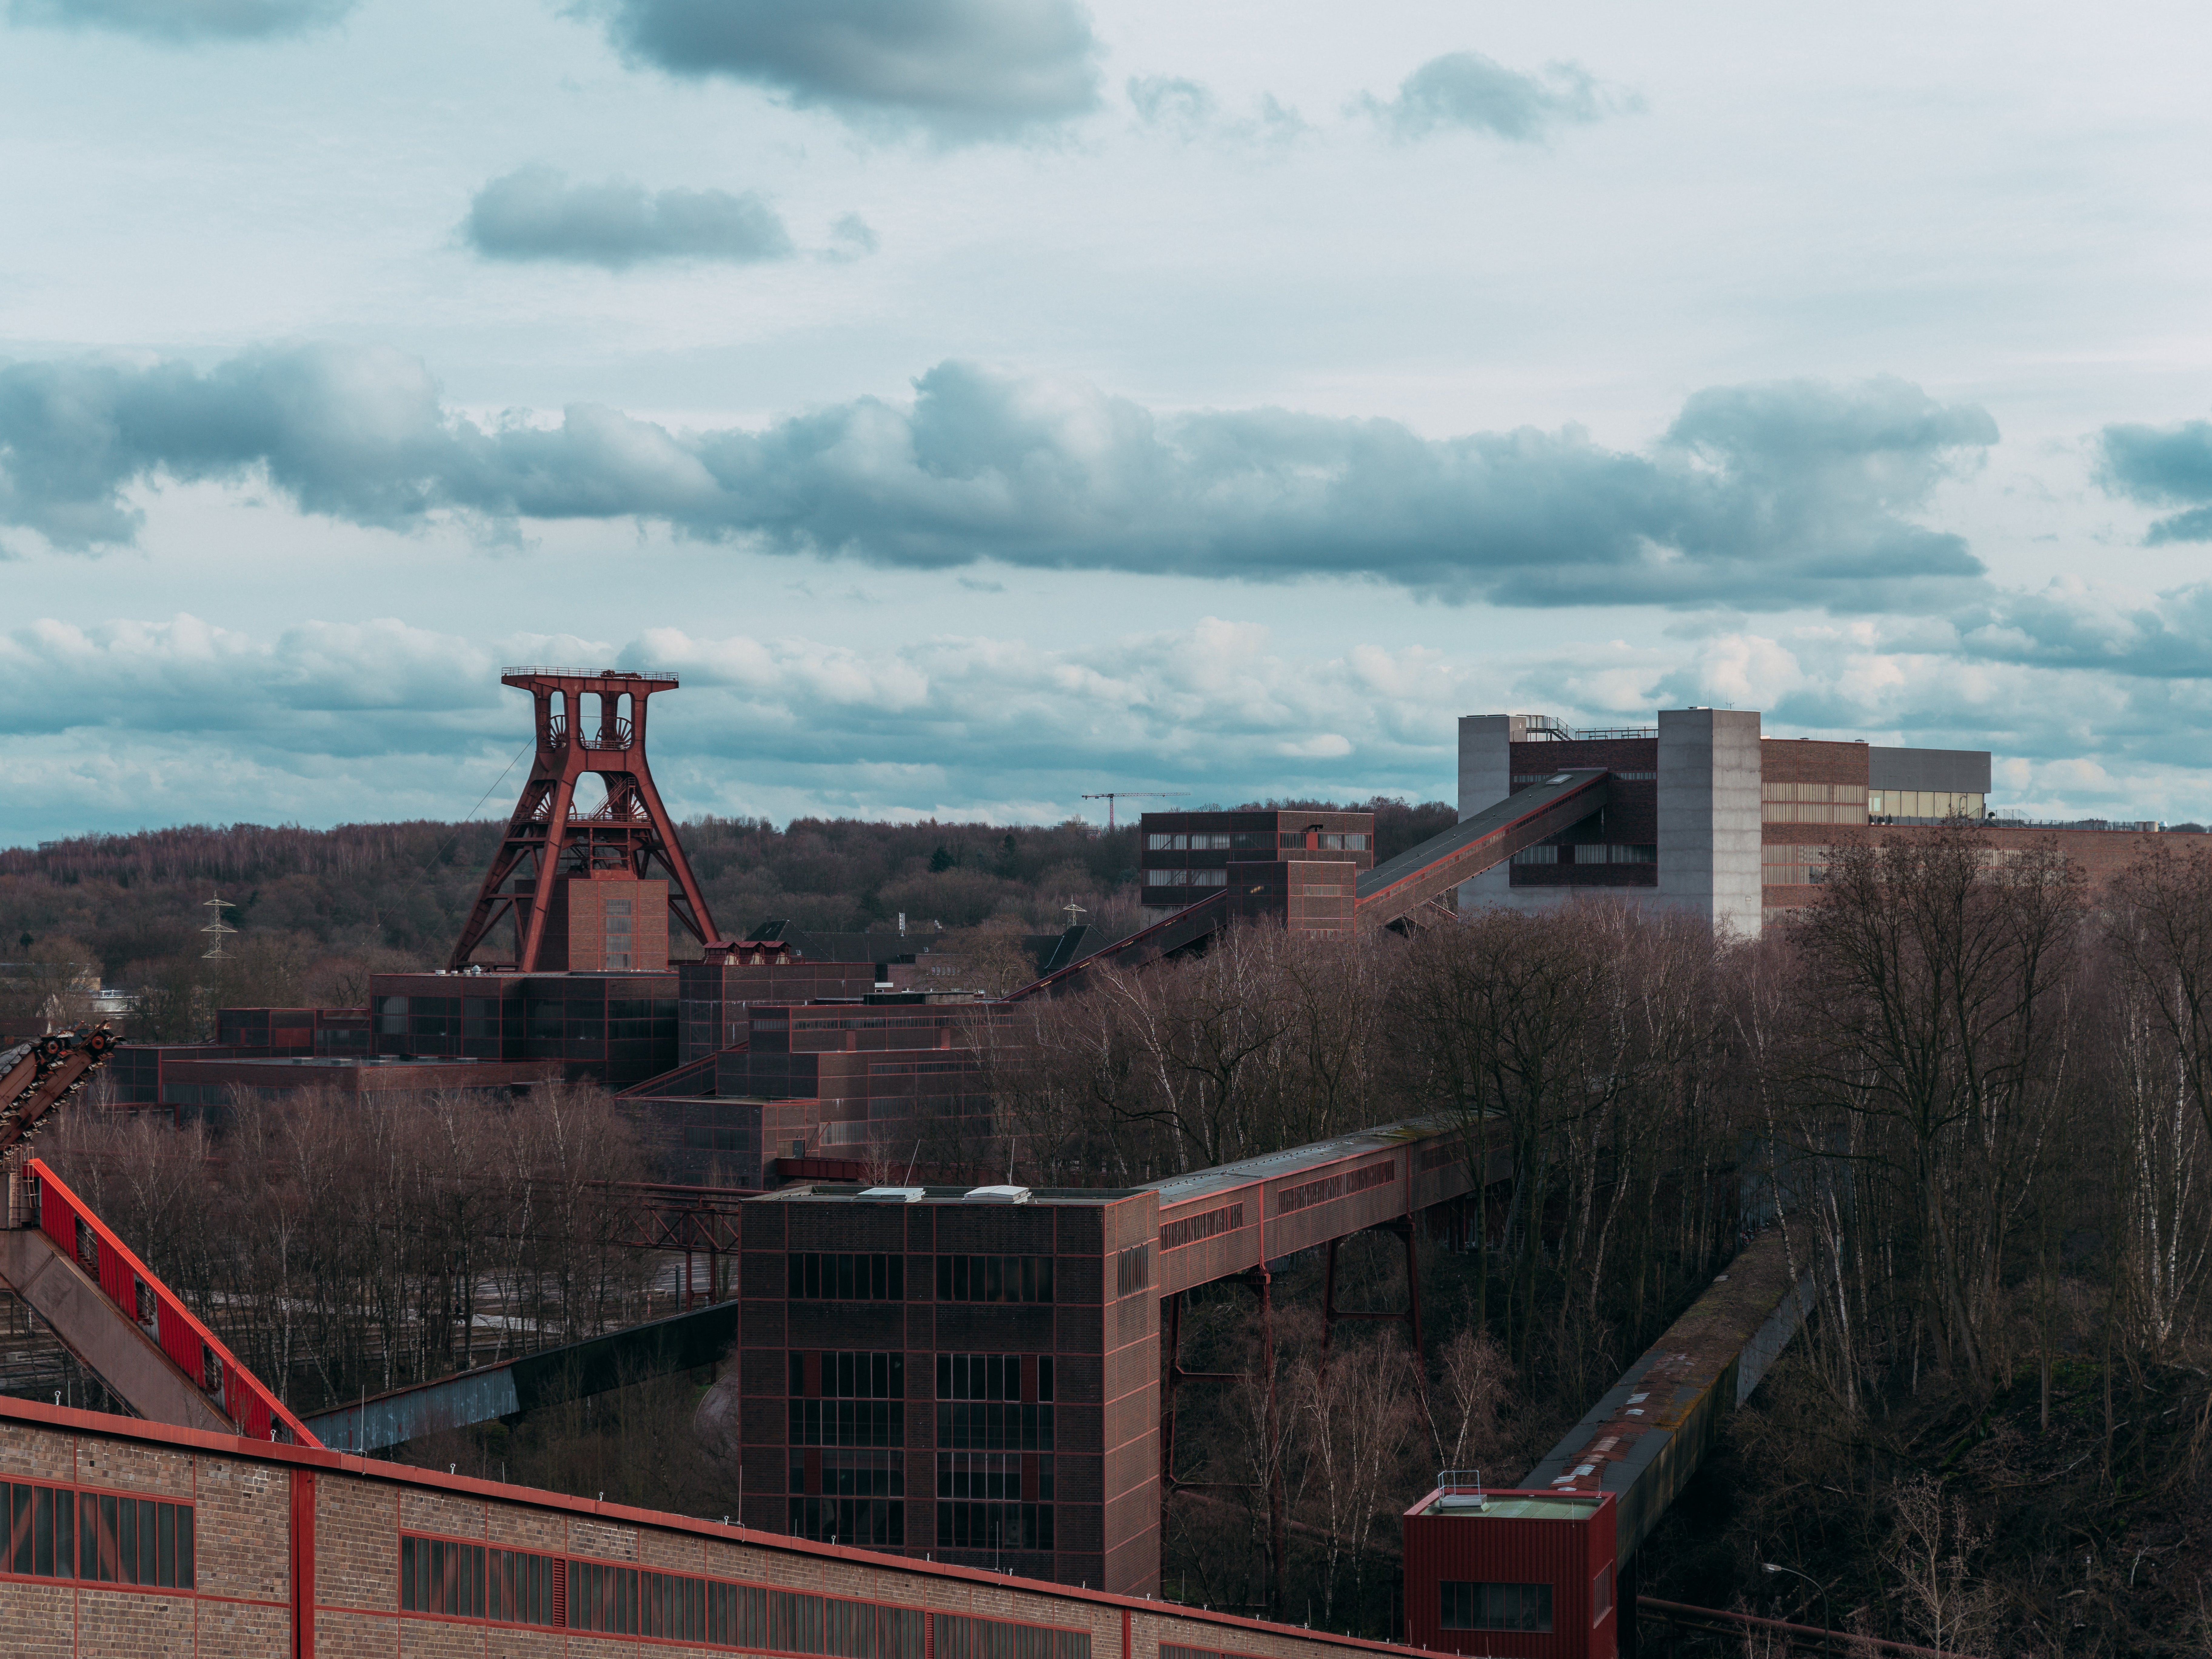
1496	1606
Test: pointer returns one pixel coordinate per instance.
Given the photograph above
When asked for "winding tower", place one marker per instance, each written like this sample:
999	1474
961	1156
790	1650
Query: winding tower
557	851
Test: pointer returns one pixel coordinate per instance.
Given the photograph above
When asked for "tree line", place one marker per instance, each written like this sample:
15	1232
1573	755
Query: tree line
317	911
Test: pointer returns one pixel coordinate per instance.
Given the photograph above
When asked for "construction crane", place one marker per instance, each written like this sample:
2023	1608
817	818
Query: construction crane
1110	796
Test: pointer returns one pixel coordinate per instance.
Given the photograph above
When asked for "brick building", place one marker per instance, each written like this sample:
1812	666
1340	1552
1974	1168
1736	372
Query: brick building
136	1538
1186	856
975	1374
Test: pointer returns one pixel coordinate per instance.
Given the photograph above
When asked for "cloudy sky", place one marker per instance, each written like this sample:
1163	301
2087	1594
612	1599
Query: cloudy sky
982	402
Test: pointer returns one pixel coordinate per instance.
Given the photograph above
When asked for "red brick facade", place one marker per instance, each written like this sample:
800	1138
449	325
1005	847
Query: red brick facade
298	1557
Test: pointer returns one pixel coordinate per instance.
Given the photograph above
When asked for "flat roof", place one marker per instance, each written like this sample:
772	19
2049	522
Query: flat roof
384	1061
1384	1137
841	1192
1470	1504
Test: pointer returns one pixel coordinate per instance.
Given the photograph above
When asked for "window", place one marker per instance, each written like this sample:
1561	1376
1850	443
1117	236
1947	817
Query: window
987	1638
1538	854
442	1575
1191	1229
868	1522
1133	1269
1793	864
59	1531
784	1621
1601	1595
1343	843
846	1399
625	1601
1209	878
971	1526
392	1016
857	1498
602	1597
120	1541
522	1587
820	1276
995	1279
1161	843
1252	840
1496	1606
995	1402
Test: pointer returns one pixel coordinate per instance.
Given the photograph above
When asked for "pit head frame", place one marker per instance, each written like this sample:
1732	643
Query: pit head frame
589	723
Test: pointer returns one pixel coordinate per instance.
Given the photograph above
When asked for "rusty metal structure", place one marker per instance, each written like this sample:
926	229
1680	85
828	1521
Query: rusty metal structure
589	723
36	1077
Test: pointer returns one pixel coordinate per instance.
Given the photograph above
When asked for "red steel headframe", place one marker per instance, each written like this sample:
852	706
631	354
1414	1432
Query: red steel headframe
547	839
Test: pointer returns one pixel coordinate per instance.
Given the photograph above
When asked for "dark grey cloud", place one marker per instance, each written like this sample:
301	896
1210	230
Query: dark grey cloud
184	21
2166	635
1467	90
1759	498
538	213
958	68
2164	466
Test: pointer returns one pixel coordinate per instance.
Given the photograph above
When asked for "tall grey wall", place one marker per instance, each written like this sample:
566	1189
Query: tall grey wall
1708	815
1485	778
1965	771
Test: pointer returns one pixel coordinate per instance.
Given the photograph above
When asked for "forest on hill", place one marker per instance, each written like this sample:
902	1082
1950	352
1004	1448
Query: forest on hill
318	911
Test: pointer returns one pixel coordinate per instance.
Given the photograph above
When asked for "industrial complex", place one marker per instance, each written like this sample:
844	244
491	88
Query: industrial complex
957	1410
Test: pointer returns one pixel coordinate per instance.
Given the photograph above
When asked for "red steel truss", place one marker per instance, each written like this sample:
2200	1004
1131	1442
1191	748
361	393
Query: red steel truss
548	838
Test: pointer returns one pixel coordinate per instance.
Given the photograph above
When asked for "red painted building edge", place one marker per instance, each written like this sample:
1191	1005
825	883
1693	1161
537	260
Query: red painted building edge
241	1386
308	1459
1565	1552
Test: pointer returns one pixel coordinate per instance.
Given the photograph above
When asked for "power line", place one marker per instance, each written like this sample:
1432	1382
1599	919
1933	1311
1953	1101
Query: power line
481	799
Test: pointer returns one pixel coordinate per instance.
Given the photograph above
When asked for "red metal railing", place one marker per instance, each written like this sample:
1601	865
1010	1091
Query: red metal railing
153	1307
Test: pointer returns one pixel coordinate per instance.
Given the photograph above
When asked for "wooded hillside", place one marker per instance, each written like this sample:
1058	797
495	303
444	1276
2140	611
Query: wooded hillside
317	910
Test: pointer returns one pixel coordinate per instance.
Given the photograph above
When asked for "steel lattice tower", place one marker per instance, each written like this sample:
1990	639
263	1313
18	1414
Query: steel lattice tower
547	839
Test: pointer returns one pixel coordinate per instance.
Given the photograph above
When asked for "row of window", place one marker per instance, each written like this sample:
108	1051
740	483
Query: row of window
1253	840
995	1427
1186	878
846	1423
852	1474
993	1526
58	1532
1583	852
822	1275
995	1279
1310	1193
865	1522
1191	1229
993	1476
992	1376
848	1376
453	1579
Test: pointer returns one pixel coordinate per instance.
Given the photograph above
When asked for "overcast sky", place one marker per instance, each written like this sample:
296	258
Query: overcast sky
982	402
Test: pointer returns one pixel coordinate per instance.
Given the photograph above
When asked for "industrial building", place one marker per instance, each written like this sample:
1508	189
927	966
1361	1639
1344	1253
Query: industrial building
1706	815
